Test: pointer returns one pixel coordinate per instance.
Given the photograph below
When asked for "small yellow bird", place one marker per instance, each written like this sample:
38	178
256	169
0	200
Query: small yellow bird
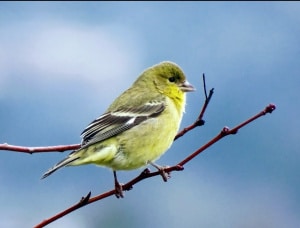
138	127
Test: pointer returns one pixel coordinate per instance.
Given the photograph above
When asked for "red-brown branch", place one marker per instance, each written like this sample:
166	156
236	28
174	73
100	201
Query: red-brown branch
226	131
199	121
40	149
147	173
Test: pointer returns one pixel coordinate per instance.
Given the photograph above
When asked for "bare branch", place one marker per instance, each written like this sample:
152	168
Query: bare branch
226	131
32	150
199	121
147	173
204	85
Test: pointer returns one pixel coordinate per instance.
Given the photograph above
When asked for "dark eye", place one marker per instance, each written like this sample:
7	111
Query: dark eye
172	79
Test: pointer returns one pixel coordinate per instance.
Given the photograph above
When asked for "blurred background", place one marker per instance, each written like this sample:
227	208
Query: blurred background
63	63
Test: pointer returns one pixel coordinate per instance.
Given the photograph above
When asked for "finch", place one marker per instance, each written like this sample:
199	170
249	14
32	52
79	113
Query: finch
138	127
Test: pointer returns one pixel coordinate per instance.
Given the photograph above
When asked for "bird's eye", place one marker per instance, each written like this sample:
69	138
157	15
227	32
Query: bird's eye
172	79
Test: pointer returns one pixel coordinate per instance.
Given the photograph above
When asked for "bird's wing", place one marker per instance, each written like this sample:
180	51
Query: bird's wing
113	123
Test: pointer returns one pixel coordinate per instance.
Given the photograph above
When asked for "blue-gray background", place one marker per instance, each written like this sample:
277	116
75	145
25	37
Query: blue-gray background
62	64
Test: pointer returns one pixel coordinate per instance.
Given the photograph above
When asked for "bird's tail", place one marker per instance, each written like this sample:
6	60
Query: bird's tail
61	164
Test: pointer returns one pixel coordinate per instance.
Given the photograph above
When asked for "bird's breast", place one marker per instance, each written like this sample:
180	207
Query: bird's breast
146	141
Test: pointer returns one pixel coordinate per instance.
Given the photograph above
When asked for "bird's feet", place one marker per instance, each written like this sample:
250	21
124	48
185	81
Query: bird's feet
119	190
118	187
161	169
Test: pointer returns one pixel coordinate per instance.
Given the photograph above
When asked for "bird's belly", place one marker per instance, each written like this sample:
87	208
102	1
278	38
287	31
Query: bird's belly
143	145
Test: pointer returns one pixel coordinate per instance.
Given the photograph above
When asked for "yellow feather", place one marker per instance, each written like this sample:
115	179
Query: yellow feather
129	136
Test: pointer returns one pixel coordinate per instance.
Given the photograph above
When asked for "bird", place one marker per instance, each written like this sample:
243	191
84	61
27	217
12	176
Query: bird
138	127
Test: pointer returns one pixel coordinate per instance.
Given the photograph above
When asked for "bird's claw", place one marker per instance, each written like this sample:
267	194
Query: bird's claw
162	170
165	175
119	190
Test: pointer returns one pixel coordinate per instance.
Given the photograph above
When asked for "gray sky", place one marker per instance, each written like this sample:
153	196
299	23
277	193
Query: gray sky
63	63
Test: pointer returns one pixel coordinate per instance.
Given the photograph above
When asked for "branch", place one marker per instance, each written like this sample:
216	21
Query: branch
199	121
147	173
32	150
226	131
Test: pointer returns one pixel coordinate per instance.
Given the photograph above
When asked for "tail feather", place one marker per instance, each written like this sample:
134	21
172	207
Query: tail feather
59	165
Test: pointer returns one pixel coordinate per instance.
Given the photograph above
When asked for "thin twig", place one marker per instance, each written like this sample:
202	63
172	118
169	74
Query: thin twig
204	85
40	149
147	173
226	131
199	121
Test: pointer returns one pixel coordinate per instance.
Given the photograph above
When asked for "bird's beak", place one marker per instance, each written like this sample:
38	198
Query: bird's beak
187	87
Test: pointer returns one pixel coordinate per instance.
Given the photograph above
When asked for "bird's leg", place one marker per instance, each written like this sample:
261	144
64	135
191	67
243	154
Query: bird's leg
118	187
165	176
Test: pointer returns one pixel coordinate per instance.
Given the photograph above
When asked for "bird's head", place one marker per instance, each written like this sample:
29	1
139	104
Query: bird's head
169	79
